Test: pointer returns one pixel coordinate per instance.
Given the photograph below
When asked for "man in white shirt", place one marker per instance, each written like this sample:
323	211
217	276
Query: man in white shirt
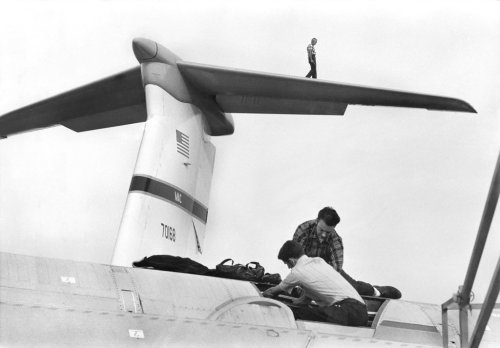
336	300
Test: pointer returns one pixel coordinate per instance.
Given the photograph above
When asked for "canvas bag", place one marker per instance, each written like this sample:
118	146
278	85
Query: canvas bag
274	278
172	264
239	271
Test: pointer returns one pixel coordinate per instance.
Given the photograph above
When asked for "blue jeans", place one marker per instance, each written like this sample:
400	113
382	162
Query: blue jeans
362	288
348	312
312	72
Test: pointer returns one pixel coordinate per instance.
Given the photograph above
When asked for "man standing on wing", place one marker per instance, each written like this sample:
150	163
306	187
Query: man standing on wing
311	56
336	300
320	239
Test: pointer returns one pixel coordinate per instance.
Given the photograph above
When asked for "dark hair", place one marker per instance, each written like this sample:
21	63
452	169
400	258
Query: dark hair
329	216
290	249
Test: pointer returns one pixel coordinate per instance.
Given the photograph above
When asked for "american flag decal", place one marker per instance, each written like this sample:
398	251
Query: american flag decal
182	143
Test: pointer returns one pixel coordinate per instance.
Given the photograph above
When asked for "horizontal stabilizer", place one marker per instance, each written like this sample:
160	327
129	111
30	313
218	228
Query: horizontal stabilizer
242	91
114	101
120	99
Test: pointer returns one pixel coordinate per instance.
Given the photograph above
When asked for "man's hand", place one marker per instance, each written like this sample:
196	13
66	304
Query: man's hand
271	292
301	299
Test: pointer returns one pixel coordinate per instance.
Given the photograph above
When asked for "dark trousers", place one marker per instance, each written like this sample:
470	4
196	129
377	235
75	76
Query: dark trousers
347	312
312	72
362	288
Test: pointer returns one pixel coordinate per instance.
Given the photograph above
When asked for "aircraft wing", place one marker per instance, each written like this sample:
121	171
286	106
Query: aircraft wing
120	99
114	101
242	91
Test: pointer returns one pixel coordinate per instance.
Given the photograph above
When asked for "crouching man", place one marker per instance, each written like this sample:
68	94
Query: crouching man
336	300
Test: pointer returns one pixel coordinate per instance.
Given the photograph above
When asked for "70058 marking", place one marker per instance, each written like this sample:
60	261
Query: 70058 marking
168	232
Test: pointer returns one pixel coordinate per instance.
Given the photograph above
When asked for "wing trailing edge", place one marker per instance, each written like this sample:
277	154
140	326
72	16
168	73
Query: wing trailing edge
120	99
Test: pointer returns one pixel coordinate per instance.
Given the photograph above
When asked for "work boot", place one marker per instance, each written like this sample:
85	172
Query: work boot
388	292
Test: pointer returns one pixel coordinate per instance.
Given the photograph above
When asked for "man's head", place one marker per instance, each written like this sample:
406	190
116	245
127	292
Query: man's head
290	252
313	41
327	220
329	216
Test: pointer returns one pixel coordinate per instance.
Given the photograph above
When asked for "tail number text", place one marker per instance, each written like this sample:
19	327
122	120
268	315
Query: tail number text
168	232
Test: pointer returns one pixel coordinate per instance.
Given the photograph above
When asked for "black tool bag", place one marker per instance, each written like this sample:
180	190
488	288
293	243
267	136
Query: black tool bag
172	264
273	278
239	271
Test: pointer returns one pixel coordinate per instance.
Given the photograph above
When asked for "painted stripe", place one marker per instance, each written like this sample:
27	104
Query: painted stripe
169	193
182	152
409	326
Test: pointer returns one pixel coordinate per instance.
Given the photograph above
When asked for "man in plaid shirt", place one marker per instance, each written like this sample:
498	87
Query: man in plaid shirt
320	239
311	57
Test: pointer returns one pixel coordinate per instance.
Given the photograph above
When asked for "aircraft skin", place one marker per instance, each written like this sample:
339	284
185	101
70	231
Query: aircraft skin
58	303
49	302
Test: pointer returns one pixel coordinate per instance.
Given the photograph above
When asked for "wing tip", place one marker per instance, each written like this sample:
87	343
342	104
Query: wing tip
470	108
463	106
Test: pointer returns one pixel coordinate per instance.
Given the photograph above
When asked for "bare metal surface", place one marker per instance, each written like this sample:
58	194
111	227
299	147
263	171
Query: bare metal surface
407	322
61	303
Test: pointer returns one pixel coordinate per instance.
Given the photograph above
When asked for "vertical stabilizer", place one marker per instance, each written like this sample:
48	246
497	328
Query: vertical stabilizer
167	205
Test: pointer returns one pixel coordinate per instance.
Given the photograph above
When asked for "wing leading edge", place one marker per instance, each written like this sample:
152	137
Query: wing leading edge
120	99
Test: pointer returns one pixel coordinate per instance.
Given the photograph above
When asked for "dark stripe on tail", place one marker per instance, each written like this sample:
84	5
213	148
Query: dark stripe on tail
170	194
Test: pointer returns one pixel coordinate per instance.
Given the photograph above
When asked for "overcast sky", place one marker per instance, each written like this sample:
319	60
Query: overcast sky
409	185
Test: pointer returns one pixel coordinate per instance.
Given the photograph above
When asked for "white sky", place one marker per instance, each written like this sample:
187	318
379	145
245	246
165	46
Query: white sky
409	185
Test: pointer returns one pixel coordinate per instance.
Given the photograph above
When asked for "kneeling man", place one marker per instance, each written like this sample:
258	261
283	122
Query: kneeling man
337	301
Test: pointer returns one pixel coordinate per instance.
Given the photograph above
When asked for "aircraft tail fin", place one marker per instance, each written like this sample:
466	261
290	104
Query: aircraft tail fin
167	206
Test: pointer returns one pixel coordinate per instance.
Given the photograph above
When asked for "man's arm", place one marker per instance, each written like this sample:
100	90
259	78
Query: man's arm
338	251
303	300
286	285
272	292
309	53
